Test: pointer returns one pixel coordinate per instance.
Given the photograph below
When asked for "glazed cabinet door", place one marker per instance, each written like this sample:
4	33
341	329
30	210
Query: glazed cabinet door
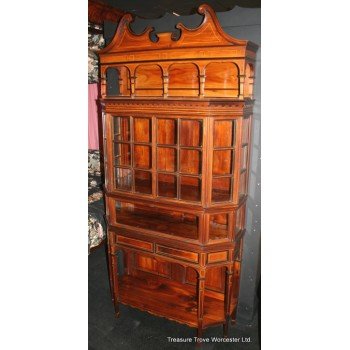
223	164
158	156
132	154
179	158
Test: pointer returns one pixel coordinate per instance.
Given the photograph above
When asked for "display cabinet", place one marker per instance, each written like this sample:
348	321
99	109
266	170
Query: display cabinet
176	144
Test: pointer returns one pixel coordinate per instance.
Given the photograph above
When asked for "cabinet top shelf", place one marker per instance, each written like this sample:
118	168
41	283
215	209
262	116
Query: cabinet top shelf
204	62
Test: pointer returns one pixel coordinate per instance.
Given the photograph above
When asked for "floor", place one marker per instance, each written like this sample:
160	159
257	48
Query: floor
139	330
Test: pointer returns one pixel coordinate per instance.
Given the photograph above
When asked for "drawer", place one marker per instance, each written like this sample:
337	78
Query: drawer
135	243
177	253
217	257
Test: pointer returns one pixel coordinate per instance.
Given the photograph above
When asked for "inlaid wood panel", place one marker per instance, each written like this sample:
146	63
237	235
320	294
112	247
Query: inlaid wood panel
135	243
217	257
177	253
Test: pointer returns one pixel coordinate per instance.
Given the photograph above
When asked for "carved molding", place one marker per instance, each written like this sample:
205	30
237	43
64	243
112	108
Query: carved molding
209	33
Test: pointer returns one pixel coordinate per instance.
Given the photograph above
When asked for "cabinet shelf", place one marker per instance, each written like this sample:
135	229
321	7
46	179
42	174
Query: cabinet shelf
170	299
168	222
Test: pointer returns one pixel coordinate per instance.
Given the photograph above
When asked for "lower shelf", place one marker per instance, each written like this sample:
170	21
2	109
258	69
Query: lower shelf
169	299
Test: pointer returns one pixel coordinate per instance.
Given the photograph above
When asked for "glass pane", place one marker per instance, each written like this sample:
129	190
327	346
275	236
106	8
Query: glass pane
244	157
223	133
167	185
122	154
166	159
190	188
121	126
190	161
221	191
167	131
223	162
123	179
142	130
143	181
218	226
169	222
142	157
191	133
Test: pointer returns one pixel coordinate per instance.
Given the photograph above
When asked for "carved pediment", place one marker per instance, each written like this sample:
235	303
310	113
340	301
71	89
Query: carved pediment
208	33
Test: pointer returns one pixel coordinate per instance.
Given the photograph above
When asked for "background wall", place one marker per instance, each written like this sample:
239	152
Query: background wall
242	23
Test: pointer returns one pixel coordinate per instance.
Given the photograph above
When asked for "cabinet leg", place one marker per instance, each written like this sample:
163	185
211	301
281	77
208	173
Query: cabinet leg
200	331
115	284
200	298
113	277
228	297
225	327
109	257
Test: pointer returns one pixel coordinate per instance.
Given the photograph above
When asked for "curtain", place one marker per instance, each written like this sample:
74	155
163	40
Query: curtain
93	117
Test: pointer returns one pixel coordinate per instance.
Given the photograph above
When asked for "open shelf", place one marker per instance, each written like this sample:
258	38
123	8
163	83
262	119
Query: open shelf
170	299
159	220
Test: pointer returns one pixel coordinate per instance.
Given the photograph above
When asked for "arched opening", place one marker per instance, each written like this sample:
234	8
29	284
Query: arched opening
112	81
222	79
118	81
183	80
251	80
149	80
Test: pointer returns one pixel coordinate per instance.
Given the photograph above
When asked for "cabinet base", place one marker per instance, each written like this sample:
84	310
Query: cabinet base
170	299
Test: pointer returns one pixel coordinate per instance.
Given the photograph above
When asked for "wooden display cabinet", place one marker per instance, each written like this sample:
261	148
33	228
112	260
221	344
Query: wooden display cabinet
176	145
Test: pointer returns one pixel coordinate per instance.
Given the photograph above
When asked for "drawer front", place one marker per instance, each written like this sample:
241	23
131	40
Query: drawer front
217	257
177	253
135	243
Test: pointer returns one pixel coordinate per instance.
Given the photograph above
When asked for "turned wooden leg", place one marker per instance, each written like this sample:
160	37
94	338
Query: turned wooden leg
200	298
228	294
